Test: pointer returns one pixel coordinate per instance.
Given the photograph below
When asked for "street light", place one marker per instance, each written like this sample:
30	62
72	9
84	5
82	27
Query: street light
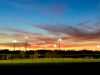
55	45
14	44
43	45
53	52
98	46
43	49
14	48
59	40
26	37
26	43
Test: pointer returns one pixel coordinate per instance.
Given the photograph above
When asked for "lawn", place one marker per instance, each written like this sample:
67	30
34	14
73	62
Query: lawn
50	60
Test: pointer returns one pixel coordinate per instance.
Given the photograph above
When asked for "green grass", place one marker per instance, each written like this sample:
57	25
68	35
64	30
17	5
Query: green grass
50	60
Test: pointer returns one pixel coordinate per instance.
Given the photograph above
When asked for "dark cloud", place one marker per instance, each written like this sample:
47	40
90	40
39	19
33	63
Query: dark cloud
80	32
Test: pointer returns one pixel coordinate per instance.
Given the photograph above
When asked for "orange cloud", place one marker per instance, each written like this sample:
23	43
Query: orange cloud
79	36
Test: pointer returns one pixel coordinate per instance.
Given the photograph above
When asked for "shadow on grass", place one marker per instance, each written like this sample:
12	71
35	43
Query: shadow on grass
49	68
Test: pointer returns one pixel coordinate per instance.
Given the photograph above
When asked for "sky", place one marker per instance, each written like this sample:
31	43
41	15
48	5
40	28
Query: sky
76	22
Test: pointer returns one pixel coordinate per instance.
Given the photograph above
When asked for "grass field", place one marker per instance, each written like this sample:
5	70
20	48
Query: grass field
49	65
50	60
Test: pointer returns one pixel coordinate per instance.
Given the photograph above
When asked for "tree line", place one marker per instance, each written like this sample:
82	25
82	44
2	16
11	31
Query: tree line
17	54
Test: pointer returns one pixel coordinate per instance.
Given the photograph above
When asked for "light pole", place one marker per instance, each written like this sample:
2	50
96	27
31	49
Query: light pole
98	46
53	52
43	45
22	48
14	49
59	40
14	44
43	49
26	38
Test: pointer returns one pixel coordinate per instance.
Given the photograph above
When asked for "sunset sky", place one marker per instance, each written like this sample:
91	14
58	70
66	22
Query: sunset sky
76	22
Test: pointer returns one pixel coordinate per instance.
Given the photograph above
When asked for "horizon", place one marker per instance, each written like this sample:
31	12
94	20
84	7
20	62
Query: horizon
48	50
75	22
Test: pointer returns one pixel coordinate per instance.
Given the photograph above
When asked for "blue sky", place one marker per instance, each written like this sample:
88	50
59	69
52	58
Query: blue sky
18	16
23	13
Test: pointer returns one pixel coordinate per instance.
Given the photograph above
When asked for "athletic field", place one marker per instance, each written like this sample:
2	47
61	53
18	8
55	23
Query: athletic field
50	60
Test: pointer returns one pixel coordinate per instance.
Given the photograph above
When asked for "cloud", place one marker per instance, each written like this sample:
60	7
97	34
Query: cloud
33	38
15	30
3	34
20	35
17	45
80	32
73	36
